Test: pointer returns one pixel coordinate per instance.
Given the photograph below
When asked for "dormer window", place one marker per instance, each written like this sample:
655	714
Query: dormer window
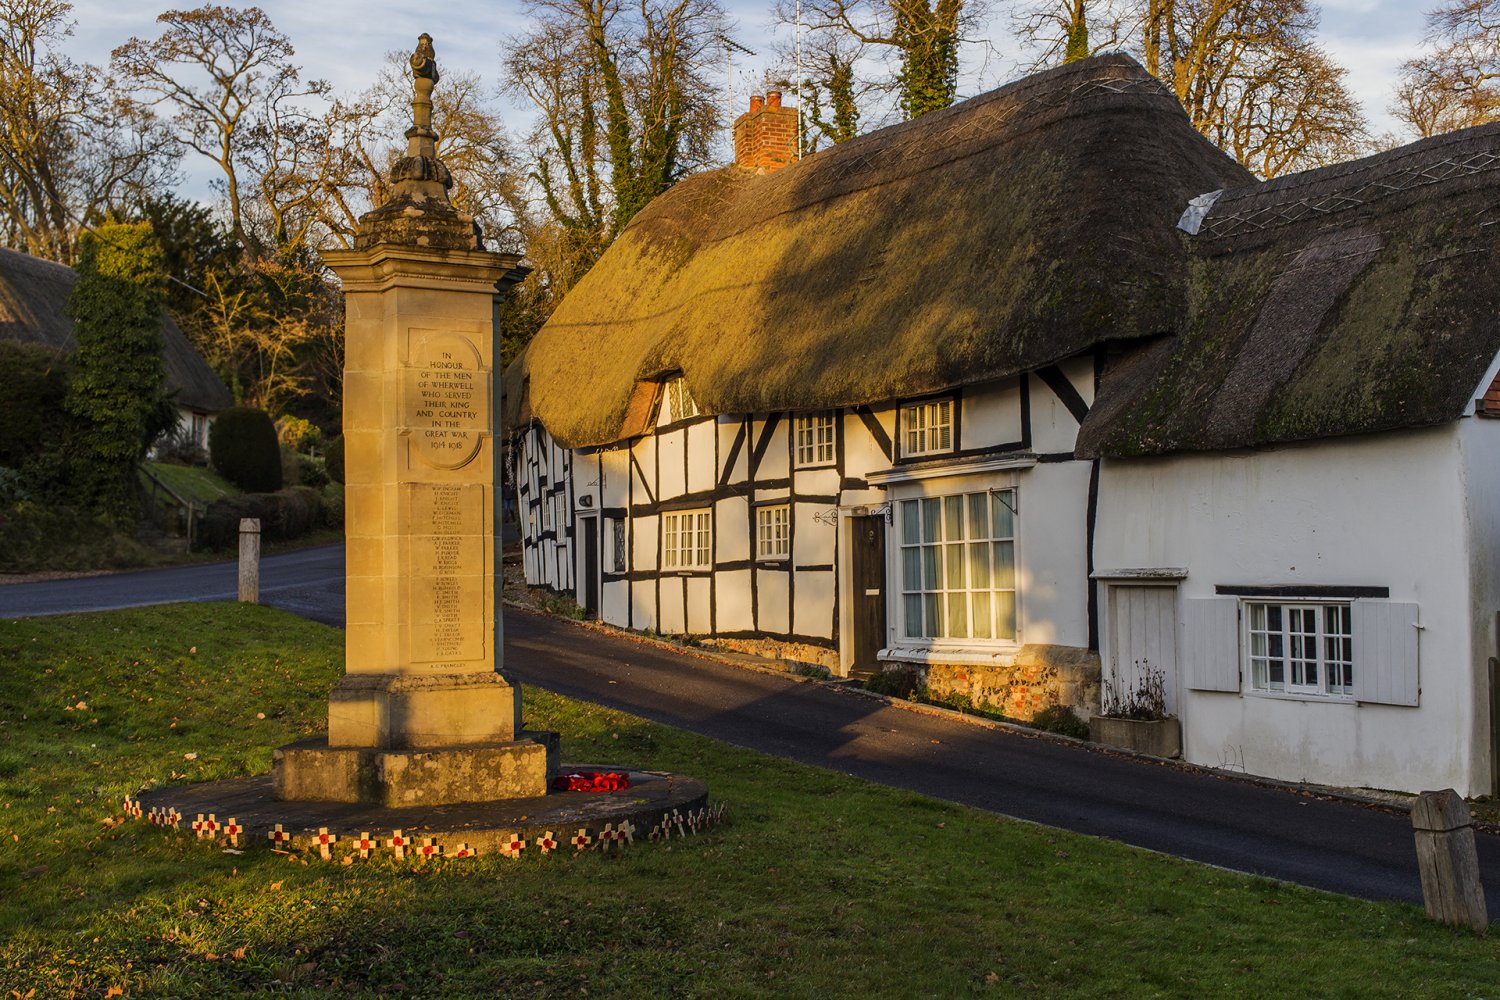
927	428
678	401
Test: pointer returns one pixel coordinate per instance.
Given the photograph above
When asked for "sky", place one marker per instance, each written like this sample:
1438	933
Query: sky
344	41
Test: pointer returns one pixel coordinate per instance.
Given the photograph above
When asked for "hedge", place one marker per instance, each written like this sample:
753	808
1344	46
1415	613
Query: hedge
243	448
285	514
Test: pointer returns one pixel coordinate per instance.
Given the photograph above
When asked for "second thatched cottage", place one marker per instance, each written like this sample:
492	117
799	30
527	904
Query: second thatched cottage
1044	383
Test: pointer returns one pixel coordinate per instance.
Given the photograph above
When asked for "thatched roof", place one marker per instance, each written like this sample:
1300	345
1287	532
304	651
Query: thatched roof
33	294
996	236
1359	297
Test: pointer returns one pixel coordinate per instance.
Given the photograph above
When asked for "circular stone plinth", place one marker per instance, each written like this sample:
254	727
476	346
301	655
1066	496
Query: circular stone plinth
655	801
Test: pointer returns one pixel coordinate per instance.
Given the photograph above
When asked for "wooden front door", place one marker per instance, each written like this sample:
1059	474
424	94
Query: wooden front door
589	593
867	566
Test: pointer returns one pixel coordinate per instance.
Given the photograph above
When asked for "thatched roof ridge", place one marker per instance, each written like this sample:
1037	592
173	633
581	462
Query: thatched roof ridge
1355	298
1002	234
33	297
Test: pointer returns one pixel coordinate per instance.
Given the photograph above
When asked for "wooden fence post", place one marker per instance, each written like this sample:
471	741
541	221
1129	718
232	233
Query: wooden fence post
1448	861
250	560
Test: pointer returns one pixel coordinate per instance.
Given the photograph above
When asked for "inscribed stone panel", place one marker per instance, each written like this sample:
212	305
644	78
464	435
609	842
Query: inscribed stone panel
447	412
449	555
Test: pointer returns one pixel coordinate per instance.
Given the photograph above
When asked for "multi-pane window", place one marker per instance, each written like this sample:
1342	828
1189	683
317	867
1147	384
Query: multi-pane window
680	404
617	544
773	532
815	439
686	539
958	566
1300	648
928	427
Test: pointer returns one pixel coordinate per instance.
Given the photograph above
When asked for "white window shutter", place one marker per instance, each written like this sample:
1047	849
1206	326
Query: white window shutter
1211	643
1385	652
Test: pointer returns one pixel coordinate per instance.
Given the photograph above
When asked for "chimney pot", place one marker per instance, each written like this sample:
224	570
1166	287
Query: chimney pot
765	137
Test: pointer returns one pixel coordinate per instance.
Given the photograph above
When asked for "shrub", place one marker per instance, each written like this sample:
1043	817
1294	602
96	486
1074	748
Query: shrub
36	383
117	400
179	445
300	435
291	465
35	536
312	472
897	682
243	448
333	459
1060	719
283	515
333	505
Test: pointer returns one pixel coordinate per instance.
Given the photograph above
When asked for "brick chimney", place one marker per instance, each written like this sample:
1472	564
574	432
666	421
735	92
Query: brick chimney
765	137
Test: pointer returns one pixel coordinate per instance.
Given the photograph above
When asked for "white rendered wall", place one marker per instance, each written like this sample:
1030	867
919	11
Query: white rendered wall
1380	510
1479	441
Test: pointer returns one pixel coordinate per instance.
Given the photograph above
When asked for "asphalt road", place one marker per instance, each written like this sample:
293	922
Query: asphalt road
309	582
1329	844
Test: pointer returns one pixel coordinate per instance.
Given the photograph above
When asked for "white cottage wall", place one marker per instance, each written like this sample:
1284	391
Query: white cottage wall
1382	510
1479	440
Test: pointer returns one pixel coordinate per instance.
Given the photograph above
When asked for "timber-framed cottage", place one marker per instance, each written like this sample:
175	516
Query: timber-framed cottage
1044	387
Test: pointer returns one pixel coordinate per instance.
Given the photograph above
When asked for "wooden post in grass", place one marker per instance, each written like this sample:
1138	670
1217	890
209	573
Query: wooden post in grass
1448	860
250	560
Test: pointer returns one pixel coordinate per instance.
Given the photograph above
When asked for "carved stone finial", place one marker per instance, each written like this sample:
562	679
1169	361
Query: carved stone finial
418	212
424	60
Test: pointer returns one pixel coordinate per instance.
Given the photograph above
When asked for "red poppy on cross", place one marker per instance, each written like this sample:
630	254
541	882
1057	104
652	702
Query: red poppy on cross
232	831
581	840
429	849
399	844
197	826
364	845
462	851
325	842
279	837
511	845
545	843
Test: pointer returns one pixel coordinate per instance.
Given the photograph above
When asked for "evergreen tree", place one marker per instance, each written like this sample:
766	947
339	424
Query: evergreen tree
117	399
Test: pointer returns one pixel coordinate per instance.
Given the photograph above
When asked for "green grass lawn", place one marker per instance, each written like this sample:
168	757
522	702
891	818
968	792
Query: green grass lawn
819	885
192	482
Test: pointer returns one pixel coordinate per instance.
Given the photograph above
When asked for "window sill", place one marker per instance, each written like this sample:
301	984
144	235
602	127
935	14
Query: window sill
1319	699
993	655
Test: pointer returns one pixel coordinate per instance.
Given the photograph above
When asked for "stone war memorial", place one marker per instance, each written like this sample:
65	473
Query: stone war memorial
423	716
424	728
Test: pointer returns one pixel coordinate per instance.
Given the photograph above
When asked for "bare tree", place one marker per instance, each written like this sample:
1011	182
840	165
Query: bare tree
624	110
1456	83
69	144
363	141
1252	79
226	75
917	40
1061	31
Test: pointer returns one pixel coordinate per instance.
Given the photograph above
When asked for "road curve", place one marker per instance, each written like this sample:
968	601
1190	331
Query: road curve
1330	844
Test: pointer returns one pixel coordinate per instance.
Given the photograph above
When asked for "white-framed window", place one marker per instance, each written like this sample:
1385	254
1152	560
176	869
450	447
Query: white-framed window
773	532
927	428
680	404
547	513
1300	647
618	561
958	566
815	439
687	539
